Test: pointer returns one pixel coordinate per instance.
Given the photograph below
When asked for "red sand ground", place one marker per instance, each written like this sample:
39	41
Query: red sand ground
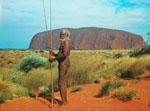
85	100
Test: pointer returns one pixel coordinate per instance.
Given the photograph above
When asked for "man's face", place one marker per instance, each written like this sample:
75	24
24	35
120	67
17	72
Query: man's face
62	35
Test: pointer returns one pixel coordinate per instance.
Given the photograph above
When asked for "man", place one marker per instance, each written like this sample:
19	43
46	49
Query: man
64	63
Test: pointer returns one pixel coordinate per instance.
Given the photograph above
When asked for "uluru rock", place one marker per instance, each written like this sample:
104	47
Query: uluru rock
90	38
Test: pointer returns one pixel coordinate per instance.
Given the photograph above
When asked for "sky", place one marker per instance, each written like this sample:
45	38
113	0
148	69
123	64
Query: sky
20	20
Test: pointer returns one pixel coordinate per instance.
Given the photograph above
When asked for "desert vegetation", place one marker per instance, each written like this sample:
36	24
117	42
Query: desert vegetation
108	87
125	95
118	90
26	72
76	88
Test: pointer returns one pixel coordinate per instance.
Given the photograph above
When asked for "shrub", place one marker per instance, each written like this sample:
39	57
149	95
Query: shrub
79	75
5	96
148	67
128	67
10	90
110	68
118	55
38	78
45	92
32	61
5	86
14	76
76	88
19	91
96	80
134	67
125	96
4	71
126	74
108	86
140	51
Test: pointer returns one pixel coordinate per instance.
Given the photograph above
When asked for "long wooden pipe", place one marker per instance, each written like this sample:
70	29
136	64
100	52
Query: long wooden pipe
49	46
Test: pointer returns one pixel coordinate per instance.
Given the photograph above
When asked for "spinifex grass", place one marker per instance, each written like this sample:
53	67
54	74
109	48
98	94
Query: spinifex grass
124	95
76	88
109	86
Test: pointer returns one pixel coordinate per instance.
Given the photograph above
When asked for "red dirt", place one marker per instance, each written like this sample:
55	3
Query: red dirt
144	75
85	100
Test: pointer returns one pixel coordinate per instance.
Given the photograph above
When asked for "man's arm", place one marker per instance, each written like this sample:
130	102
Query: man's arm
51	52
52	56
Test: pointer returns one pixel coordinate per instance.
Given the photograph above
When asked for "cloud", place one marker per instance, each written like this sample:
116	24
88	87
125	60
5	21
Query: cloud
78	13
130	4
21	8
27	16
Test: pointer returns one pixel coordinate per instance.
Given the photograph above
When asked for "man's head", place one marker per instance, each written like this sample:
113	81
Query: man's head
64	33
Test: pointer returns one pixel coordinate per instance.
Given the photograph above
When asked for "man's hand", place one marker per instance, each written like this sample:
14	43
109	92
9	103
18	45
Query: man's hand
51	52
52	58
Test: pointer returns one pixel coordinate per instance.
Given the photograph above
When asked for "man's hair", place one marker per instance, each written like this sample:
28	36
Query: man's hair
66	31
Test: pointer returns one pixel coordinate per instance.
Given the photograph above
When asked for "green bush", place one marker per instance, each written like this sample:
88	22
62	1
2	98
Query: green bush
10	90
126	74
109	68
33	61
118	55
128	67
148	67
5	71
5	96
125	96
38	78
140	51
78	75
14	76
76	88
5	87
96	80
45	92
19	91
109	86
134	67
